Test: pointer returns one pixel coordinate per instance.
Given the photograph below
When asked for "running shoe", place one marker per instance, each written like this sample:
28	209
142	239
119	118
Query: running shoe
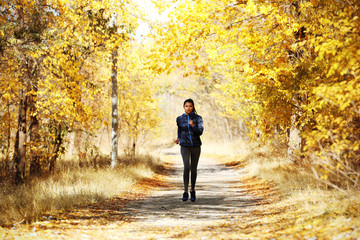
185	196
193	197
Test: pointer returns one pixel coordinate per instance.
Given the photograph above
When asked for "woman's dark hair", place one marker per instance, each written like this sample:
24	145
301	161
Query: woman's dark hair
192	102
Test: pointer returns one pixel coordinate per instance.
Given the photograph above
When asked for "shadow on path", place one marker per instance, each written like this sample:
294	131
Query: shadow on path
219	197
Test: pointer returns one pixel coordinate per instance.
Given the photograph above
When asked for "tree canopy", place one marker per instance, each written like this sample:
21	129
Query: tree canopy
280	71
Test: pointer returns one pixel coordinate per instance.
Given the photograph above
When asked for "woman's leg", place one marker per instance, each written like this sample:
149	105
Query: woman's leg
185	153
195	155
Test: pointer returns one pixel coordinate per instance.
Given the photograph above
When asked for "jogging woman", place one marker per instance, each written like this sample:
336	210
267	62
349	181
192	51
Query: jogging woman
190	127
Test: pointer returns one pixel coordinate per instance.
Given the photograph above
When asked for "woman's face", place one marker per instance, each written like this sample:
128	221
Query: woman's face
188	107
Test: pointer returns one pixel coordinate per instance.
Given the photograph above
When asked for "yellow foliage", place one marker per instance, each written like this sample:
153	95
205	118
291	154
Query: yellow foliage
138	105
58	54
276	59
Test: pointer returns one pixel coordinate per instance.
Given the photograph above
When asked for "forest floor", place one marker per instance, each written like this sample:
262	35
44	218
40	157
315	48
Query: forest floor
229	205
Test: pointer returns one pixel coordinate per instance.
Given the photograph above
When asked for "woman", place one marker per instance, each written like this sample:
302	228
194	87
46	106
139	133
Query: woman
190	127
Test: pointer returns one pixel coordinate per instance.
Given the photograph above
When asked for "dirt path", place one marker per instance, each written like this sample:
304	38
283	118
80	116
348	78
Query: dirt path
219	202
161	214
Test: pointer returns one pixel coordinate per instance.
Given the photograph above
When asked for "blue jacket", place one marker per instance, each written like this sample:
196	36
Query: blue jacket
190	136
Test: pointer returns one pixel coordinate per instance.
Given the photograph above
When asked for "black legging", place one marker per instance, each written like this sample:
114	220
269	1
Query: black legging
186	152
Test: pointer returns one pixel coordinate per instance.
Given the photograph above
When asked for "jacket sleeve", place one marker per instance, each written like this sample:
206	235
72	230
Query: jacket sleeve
179	130
198	128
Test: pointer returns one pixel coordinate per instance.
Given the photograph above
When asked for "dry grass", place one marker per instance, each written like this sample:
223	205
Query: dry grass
311	207
71	186
274	166
268	164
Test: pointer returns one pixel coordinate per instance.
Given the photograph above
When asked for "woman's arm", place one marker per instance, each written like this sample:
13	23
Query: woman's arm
178	132
199	127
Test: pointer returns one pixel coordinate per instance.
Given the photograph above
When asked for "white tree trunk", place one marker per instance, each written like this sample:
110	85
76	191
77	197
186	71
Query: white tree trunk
71	148
295	140
114	97
114	101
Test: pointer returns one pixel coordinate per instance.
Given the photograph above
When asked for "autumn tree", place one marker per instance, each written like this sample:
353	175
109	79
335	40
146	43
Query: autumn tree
138	91
23	26
49	55
289	66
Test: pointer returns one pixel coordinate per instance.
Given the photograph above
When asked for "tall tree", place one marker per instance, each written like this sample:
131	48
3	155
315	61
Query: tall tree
114	95
138	92
281	65
52	54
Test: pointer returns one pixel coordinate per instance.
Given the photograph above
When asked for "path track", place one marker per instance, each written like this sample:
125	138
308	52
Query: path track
220	200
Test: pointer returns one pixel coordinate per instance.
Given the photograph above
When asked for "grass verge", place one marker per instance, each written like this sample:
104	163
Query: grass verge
72	185
295	205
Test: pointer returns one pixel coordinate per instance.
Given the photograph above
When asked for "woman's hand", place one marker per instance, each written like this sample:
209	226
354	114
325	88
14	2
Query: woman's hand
177	141
191	122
